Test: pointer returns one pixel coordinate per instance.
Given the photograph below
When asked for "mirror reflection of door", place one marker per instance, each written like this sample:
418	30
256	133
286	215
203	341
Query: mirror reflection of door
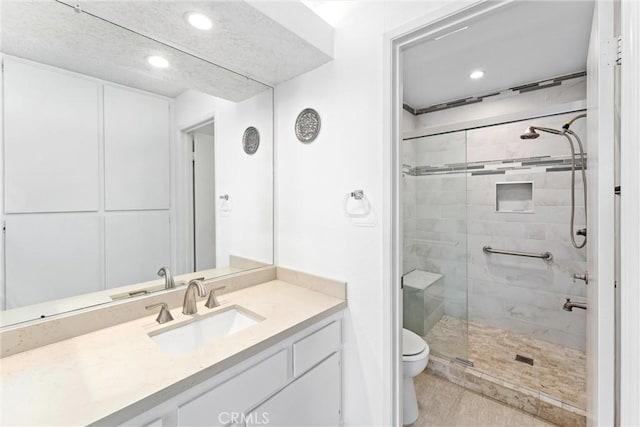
204	198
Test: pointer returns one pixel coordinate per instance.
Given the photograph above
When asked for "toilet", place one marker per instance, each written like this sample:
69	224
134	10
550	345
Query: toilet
415	355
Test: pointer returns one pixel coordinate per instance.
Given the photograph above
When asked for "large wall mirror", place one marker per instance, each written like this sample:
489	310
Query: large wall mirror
123	154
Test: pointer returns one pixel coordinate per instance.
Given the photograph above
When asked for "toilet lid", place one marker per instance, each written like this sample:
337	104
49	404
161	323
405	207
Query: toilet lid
411	343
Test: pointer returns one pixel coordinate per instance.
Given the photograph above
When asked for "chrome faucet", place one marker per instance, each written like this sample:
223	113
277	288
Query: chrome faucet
168	278
569	306
189	305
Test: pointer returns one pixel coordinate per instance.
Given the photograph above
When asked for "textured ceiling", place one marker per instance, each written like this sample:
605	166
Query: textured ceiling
524	42
243	40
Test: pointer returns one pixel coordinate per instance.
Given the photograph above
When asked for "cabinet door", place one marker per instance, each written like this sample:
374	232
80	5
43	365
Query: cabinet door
227	402
312	400
156	417
136	149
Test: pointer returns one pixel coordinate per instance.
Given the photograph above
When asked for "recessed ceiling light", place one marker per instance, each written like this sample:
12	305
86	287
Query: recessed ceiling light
158	61
199	21
477	74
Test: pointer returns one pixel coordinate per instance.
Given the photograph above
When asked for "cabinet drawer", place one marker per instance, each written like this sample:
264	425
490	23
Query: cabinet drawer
312	349
217	406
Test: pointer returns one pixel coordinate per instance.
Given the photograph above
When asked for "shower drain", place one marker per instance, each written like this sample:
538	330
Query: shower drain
524	359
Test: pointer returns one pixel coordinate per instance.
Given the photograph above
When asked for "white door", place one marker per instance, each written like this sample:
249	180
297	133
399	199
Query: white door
600	224
204	201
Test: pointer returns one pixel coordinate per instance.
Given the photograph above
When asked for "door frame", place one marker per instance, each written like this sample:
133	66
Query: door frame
630	215
448	16
184	168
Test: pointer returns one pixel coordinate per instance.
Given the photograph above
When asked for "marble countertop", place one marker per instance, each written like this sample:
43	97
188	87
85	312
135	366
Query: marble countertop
87	378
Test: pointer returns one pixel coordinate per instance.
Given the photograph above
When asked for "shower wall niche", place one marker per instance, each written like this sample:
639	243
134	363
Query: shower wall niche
514	197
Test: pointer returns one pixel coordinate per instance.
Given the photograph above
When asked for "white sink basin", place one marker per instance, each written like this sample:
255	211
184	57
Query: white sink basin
187	337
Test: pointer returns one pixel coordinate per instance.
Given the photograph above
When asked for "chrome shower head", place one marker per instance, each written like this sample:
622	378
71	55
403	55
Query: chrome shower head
530	134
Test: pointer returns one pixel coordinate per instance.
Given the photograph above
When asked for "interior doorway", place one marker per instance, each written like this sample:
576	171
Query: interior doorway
451	23
204	197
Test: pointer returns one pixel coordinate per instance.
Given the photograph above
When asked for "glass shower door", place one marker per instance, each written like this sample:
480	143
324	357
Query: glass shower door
435	242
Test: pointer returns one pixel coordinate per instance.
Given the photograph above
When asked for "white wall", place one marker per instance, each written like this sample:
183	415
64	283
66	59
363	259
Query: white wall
247	230
313	233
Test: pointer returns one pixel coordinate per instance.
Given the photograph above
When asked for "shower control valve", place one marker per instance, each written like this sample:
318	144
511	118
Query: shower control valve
584	277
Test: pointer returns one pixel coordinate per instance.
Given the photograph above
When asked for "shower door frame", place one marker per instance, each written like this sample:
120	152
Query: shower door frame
629	215
394	41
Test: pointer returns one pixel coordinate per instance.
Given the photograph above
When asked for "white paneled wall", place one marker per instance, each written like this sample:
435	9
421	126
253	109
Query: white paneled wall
45	250
136	150
136	245
74	143
50	140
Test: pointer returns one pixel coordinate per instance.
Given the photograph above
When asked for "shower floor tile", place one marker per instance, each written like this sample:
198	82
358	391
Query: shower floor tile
557	371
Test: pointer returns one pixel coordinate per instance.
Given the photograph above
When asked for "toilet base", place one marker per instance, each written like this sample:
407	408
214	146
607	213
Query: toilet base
410	402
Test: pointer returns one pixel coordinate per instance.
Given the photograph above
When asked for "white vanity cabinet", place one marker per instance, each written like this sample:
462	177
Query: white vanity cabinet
296	382
219	405
311	400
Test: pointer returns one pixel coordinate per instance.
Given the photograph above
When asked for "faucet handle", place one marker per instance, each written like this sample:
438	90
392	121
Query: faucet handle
165	315
213	302
584	277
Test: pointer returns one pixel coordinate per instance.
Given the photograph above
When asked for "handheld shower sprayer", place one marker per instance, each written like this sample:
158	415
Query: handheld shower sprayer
532	133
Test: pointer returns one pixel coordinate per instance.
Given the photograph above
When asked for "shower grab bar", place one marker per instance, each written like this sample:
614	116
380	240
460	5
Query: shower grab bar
547	256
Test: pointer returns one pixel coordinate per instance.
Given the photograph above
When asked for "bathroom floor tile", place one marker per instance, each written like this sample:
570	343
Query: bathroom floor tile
436	399
558	371
442	403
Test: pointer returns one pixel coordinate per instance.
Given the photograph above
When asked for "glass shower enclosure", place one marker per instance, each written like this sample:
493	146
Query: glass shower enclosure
435	241
471	198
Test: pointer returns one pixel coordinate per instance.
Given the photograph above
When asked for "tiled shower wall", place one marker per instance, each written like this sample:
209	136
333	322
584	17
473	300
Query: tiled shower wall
449	218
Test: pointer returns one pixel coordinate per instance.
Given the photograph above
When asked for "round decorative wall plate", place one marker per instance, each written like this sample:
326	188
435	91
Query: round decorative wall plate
251	140
307	125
